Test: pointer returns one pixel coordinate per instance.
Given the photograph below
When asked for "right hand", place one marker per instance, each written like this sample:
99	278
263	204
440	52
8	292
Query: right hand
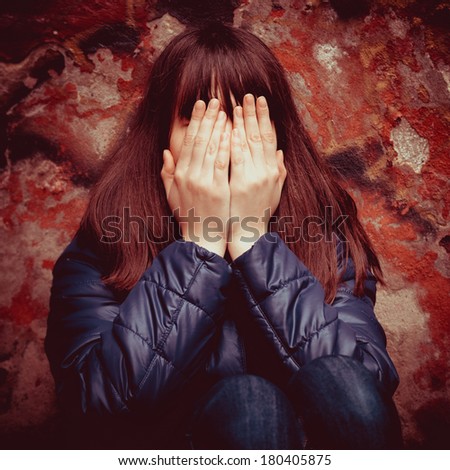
197	185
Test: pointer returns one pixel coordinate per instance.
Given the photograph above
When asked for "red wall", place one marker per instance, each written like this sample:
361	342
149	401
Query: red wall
371	80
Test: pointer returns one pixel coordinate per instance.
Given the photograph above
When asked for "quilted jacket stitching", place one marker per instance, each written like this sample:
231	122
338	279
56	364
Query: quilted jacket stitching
182	296
304	341
265	317
165	335
183	299
116	392
365	299
282	287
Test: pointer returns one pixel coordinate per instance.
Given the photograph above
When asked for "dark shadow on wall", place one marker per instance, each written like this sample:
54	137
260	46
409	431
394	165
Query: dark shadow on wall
433	419
198	11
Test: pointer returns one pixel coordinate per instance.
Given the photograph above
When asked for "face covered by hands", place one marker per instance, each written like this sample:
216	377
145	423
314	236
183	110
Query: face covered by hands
227	173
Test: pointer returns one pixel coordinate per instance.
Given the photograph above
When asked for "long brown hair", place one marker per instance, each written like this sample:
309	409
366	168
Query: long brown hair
195	65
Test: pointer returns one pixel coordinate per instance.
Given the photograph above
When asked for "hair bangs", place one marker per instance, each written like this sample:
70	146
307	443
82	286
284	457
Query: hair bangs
221	73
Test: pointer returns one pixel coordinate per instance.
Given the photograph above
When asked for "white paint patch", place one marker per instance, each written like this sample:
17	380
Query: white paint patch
411	148
44	173
398	28
102	134
163	30
299	84
327	55
273	34
407	331
445	72
99	89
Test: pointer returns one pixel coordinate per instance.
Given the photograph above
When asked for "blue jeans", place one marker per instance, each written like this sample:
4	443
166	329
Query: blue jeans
331	403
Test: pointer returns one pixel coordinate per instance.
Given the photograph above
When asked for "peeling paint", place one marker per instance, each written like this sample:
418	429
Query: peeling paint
445	72
163	30
328	55
404	338
373	92
412	150
299	84
398	27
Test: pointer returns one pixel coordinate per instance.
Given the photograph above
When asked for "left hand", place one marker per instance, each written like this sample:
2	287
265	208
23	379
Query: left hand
257	174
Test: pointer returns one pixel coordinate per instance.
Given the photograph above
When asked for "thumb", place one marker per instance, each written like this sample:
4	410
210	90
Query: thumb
168	170
280	162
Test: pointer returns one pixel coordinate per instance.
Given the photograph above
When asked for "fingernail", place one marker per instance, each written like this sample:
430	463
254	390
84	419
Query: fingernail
221	115
238	111
249	99
262	102
199	105
214	103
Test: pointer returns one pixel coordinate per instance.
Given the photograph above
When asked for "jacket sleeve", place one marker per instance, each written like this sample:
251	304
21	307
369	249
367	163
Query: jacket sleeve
287	302
110	357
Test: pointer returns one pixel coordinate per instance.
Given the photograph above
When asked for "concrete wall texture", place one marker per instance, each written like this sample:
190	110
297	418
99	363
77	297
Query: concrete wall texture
372	83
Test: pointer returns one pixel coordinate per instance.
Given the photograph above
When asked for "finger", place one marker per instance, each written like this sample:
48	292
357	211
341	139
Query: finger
198	112
168	170
266	131
203	136
252	130
222	162
213	145
237	156
280	163
238	123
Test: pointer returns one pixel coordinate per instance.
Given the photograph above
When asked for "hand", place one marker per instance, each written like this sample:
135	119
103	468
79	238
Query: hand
197	186
257	174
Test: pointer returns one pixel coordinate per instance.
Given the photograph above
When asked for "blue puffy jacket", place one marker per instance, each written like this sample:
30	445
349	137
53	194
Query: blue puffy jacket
194	318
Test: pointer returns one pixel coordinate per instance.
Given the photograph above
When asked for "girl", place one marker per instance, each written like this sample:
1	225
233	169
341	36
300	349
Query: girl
211	299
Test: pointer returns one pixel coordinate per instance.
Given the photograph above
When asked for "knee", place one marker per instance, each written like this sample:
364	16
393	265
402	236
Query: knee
342	378
338	392
236	393
246	384
245	412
